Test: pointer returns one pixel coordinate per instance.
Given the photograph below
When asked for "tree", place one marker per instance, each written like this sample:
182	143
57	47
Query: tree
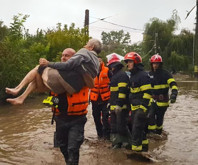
182	43
65	37
3	31
115	41
177	62
20	51
160	37
17	27
157	35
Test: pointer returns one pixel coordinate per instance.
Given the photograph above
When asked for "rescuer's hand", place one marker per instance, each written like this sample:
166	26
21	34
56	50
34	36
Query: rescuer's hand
117	109
173	98
108	106
43	62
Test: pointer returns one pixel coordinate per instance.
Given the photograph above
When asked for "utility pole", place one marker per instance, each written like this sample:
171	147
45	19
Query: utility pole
196	45
195	42
86	25
156	43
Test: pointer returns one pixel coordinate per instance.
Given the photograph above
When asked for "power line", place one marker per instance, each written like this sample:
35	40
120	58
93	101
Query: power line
103	28
100	19
103	19
190	12
123	26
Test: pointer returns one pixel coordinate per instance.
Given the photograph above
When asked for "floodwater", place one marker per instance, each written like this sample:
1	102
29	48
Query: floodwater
26	135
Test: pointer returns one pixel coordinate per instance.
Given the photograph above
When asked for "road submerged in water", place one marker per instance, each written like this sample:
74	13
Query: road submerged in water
26	135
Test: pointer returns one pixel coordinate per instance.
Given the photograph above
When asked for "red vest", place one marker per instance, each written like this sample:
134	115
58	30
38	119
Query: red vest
101	85
77	103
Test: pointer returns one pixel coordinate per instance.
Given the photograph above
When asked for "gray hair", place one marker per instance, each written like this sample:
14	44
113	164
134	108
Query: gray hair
97	45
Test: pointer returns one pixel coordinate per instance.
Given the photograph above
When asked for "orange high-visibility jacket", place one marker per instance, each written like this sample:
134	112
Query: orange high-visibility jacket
101	85
77	103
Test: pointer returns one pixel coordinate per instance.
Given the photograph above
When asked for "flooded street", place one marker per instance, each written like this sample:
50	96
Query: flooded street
26	135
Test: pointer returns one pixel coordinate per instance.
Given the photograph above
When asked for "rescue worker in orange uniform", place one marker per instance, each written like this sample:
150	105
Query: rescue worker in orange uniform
99	97
161	81
120	135
70	117
69	113
139	98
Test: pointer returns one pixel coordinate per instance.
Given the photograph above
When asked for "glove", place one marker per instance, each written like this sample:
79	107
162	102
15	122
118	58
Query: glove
173	98
108	105
117	109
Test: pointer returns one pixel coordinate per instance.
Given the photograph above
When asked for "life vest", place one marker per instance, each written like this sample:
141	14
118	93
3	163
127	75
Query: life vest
101	85
76	103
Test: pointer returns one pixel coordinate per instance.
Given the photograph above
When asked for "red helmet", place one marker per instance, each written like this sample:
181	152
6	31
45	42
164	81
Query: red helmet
114	58
156	58
134	57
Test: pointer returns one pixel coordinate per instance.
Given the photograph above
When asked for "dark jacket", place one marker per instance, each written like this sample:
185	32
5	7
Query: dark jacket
140	88
161	81
119	89
83	60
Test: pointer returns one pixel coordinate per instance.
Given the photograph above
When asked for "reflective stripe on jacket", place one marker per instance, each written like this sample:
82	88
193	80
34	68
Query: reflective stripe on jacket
119	90
73	105
161	81
101	86
140	90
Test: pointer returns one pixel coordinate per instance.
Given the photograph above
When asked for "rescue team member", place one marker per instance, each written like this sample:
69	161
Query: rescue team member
99	97
70	116
66	55
139	98
120	135
161	81
59	76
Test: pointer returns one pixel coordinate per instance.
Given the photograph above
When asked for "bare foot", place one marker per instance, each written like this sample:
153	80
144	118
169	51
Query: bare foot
15	101
11	91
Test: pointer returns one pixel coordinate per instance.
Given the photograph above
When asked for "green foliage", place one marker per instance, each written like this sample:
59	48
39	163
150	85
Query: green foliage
177	62
20	51
115	37
59	39
10	67
17	27
3	31
157	35
115	42
182	43
176	50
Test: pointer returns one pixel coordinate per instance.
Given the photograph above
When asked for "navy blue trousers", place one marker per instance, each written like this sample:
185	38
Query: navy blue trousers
70	136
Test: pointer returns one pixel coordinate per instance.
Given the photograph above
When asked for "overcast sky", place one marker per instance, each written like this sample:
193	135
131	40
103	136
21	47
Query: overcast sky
130	13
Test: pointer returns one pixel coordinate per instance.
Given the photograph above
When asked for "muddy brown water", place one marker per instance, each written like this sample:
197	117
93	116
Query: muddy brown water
26	135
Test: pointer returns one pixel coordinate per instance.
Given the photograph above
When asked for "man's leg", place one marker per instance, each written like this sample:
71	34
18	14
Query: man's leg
123	129
35	85
75	139
19	100
114	137
160	119
62	129
152	118
105	120
55	82
26	80
139	121
96	112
